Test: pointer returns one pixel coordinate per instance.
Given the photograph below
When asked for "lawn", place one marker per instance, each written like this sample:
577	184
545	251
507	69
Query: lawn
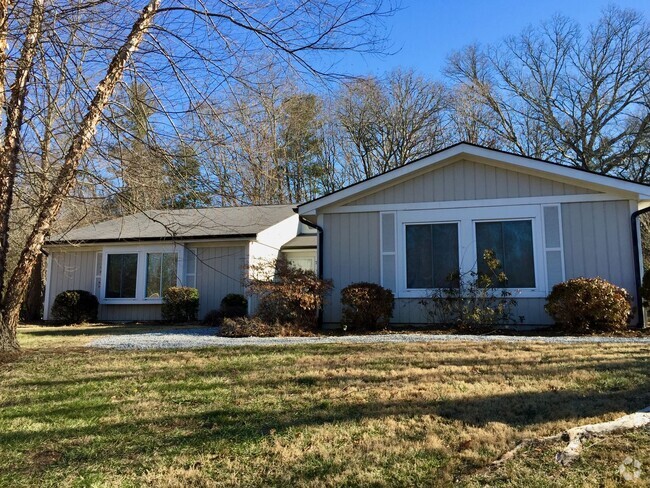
332	415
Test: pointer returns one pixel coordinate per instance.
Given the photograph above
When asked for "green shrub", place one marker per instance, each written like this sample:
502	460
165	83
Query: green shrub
256	327
367	305
234	305
180	304
287	295
75	307
589	304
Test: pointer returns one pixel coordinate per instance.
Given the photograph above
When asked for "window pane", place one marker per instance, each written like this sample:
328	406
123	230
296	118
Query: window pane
512	242
154	262
169	263
431	255
121	275
161	273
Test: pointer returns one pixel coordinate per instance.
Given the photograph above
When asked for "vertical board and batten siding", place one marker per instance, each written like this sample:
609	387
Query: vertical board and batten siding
219	271
350	254
71	270
595	237
598	241
468	180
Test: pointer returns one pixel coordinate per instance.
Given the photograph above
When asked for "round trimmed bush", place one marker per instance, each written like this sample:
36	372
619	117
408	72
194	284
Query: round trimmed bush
589	304
180	304
75	307
234	305
367	305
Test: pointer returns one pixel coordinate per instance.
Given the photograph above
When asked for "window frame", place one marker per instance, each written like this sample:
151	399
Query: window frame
141	272
424	291
467	252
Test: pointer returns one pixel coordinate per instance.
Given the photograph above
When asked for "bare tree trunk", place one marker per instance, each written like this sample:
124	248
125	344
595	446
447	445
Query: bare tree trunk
11	302
33	304
11	145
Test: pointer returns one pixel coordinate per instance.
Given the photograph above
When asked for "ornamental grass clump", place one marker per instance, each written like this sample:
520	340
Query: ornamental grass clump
583	305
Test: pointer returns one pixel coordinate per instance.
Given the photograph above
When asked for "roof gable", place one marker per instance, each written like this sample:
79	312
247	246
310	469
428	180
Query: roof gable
572	180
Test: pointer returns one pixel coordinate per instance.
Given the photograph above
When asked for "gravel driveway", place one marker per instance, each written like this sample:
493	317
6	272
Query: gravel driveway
207	337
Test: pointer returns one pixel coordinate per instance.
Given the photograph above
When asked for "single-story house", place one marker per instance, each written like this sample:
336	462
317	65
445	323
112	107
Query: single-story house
406	229
128	262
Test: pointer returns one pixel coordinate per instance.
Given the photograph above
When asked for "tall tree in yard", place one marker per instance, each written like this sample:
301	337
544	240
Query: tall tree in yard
182	51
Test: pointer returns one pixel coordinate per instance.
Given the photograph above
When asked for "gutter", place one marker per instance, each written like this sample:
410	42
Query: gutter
319	230
637	263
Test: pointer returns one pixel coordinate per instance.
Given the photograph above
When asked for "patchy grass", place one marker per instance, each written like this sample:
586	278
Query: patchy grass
331	415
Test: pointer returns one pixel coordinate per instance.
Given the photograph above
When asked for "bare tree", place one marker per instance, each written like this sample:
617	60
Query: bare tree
187	52
386	123
559	93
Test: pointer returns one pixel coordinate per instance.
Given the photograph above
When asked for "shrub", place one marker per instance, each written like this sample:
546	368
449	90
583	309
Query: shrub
473	301
256	327
367	305
589	304
214	318
180	304
75	307
234	305
287	295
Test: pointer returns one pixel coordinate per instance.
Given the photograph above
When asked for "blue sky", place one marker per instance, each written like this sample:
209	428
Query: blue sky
424	32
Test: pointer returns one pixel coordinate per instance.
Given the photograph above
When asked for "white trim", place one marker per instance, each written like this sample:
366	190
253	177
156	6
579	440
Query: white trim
466	221
561	238
48	287
141	273
489	156
590	197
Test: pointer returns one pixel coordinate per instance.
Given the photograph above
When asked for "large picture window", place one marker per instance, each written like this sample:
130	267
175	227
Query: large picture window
121	275
512	242
431	255
161	273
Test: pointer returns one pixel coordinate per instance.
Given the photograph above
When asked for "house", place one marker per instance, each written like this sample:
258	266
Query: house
128	262
408	228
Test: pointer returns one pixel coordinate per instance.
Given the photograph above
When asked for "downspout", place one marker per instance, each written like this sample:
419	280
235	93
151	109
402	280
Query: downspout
319	230
637	263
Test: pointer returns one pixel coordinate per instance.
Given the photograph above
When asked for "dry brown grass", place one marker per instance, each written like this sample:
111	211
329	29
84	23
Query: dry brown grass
331	415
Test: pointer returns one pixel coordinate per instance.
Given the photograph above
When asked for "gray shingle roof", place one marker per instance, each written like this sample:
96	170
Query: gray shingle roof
225	222
303	241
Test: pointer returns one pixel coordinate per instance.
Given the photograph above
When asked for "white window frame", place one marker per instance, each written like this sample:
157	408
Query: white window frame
466	218
141	276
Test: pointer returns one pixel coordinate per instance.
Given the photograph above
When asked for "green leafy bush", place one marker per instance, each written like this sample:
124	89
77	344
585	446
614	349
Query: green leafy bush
473	301
366	305
287	295
75	307
180	304
256	327
589	304
234	305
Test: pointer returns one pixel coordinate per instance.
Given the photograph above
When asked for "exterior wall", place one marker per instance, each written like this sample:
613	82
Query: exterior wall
598	242
468	180
69	270
219	270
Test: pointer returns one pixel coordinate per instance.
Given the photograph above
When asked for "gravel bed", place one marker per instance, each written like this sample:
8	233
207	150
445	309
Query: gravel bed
208	337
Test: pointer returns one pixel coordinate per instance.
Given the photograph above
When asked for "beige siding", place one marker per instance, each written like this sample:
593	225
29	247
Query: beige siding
468	180
71	270
220	270
598	241
351	254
